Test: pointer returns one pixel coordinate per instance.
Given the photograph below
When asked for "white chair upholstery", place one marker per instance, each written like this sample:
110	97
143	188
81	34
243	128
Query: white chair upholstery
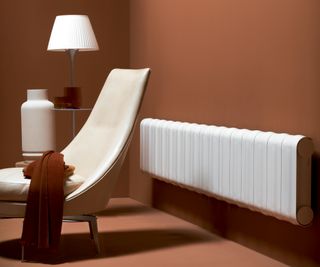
97	152
14	187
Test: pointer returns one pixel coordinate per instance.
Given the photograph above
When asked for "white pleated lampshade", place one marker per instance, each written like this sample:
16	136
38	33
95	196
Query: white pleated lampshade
72	32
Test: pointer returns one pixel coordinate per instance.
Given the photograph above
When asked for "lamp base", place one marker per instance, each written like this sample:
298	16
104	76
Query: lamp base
71	98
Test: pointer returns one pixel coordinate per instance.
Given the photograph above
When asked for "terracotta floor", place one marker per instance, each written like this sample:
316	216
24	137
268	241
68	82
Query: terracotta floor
132	234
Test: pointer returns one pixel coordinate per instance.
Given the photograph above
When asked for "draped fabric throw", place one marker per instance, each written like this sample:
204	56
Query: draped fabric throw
44	211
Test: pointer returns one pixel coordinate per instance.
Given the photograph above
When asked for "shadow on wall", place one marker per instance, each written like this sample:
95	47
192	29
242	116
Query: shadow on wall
114	244
246	227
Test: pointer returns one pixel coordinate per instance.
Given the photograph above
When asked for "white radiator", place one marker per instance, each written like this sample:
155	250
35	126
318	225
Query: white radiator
263	171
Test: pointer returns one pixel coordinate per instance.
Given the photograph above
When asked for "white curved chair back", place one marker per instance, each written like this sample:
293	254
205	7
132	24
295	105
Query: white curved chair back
100	147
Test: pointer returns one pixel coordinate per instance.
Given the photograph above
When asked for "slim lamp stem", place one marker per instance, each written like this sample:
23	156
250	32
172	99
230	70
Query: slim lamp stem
72	53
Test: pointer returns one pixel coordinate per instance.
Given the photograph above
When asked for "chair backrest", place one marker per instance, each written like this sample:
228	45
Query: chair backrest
99	148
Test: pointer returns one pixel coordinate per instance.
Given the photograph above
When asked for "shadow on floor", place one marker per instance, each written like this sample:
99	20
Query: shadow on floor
77	247
124	210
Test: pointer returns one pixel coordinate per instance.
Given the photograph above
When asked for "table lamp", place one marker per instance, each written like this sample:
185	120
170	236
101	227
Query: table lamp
72	33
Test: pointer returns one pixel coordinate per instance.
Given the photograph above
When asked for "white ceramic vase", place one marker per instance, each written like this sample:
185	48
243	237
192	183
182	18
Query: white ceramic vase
37	124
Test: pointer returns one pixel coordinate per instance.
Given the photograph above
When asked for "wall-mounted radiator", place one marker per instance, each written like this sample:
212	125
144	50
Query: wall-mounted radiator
263	171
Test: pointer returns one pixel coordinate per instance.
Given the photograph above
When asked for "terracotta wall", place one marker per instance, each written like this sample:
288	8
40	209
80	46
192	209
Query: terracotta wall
25	28
240	63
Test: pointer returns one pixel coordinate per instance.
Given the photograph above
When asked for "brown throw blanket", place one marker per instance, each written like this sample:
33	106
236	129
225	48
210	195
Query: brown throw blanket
44	211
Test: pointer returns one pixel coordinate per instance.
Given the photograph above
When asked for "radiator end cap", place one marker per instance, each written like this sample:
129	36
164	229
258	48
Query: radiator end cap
304	215
305	147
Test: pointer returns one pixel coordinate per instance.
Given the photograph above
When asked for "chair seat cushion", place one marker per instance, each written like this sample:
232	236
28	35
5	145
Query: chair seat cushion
14	187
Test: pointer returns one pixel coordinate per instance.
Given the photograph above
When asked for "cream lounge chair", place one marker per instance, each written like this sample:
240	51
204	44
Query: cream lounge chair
97	152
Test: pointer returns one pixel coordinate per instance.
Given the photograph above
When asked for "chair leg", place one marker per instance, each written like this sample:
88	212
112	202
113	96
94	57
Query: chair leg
92	221
94	232
22	253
